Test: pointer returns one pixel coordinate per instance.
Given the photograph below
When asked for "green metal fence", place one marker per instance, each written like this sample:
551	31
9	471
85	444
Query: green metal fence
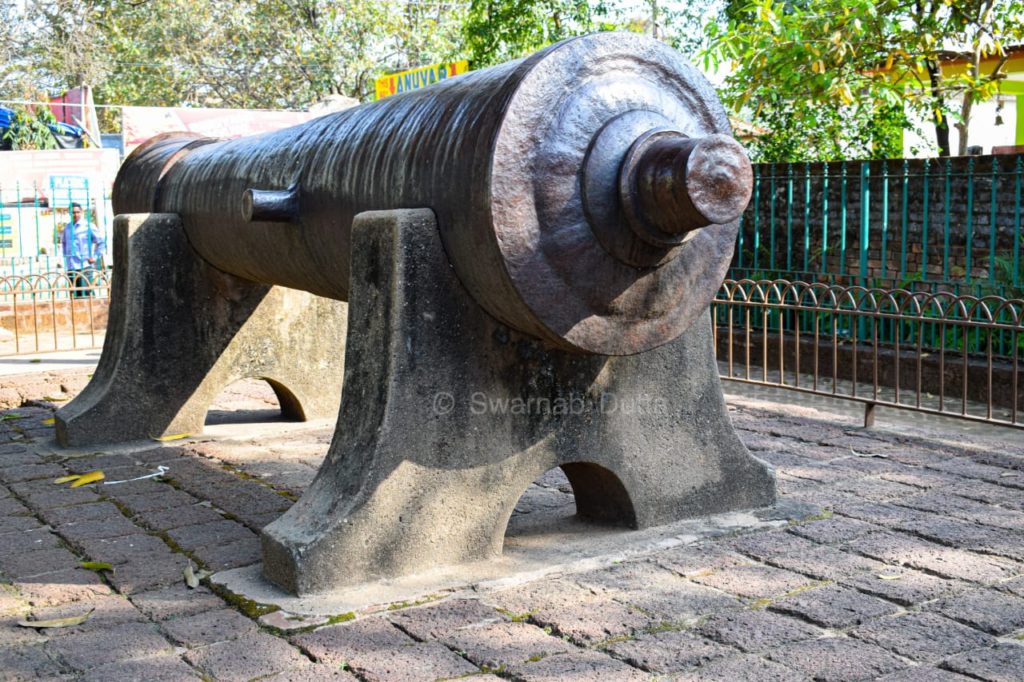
949	225
31	217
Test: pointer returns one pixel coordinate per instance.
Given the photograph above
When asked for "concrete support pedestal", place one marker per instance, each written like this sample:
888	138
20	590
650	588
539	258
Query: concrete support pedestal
180	331
447	416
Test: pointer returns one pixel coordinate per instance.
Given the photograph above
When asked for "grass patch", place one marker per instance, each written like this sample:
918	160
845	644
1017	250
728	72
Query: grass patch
398	606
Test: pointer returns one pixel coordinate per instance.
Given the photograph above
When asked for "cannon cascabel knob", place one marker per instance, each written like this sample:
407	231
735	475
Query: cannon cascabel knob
671	184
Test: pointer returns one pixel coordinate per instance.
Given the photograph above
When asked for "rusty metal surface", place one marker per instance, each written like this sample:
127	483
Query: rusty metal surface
498	155
138	179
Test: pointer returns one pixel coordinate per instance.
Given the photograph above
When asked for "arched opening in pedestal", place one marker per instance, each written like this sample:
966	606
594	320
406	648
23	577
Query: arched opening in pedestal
253	401
571	500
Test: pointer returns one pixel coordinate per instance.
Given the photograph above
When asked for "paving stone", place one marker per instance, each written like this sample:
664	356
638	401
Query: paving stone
82	465
500	645
106	611
744	668
154	496
45	495
112	527
573	611
30	540
989	493
903	585
28	662
923	637
969	469
13	635
698	559
753	631
11	524
420	661
1001	663
30	472
39	562
1015	586
994	612
148	571
337	644
949	562
836	659
924	673
122	549
176	601
969	510
61	587
97	511
376	649
925	479
12	507
255	655
161	455
316	673
230	555
655	590
167	519
833	606
587	665
209	627
90	650
875	489
437	620
803	556
209	534
754	581
666	652
155	669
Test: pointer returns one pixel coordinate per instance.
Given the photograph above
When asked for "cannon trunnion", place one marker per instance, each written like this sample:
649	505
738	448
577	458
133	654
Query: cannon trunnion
546	233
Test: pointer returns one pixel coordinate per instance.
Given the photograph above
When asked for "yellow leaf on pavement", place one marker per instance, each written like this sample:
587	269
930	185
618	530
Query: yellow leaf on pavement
49	422
96	565
86	479
67	479
56	622
175	436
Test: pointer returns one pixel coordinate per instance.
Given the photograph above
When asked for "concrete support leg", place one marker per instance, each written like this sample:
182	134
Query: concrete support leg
447	416
180	331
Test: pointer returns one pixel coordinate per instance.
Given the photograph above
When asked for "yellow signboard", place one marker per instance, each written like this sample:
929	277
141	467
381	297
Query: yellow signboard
414	79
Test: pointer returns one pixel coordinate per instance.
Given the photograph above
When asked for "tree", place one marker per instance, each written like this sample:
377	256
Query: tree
277	54
499	30
831	78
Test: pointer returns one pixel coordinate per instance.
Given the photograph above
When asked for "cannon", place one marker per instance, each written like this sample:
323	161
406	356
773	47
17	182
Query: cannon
528	254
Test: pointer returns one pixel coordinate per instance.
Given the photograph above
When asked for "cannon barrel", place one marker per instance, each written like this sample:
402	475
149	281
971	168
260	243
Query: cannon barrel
587	195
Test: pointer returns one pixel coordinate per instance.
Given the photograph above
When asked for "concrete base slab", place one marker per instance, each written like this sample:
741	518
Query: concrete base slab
539	544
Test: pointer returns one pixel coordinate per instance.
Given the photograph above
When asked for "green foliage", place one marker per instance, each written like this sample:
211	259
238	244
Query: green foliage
31	131
833	78
499	30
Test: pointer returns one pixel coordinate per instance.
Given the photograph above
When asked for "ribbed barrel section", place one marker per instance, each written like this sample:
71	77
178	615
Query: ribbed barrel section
512	161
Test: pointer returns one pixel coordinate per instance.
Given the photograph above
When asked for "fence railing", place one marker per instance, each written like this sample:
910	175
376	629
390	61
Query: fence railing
32	217
53	311
809	337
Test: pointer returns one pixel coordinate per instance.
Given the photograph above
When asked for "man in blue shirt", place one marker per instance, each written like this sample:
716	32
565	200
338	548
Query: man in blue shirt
82	245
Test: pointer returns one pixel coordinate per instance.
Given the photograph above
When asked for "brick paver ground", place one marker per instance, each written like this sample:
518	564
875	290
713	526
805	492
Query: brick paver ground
915	570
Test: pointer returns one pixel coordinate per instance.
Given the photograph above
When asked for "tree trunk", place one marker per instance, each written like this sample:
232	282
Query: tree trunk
942	124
